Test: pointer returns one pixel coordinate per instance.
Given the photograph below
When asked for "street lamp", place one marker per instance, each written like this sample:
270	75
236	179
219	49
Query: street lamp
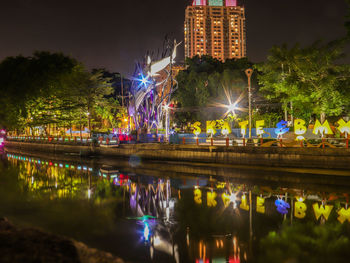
249	73
166	108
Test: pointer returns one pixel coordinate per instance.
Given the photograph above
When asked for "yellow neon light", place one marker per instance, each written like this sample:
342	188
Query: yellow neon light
198	196
226	199
344	214
243	125
244	205
225	129
196	126
344	127
211	127
259	127
299	129
322	128
260	205
211	196
324	210
300	208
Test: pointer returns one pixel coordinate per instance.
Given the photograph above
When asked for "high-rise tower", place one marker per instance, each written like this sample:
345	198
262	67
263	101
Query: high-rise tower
215	28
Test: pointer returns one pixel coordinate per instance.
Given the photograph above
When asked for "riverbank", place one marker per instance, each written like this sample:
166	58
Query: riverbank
295	157
35	245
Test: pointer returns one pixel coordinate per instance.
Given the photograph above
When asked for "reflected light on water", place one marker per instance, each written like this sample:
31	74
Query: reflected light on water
146	231
161	221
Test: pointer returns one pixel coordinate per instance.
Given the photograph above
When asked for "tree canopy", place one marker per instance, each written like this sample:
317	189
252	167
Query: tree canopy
203	84
310	78
51	88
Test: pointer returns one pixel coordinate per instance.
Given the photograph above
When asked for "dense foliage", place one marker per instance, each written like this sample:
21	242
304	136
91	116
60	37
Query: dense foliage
307	243
205	83
53	89
308	81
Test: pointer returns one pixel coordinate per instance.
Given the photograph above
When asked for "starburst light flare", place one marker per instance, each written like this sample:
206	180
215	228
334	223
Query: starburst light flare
232	105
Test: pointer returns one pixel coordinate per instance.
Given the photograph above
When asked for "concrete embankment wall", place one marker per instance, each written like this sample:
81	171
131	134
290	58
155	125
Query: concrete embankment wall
328	158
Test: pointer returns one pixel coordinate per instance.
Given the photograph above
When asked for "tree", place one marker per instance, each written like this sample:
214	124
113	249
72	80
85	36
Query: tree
202	85
23	79
309	78
50	89
92	91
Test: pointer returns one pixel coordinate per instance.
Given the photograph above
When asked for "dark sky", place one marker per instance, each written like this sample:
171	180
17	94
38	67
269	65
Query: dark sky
115	33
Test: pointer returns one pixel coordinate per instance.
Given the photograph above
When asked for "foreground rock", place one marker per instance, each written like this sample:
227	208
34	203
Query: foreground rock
33	245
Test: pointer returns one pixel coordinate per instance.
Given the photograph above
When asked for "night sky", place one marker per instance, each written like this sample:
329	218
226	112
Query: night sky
115	33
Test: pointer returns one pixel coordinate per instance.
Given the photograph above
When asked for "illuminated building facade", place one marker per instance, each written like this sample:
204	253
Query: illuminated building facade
215	28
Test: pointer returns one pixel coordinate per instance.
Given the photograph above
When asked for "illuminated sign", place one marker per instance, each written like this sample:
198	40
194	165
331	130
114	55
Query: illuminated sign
259	127
281	128
260	208
196	128
226	199
211	199
344	127
299	208
282	206
322	210
299	129
344	214
225	129
211	127
322	128
244	203
243	126
198	196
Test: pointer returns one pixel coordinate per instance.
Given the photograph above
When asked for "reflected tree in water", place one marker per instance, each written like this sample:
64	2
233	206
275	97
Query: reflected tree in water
307	242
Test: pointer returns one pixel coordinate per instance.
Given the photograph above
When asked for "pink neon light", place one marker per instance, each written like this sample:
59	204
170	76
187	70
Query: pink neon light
199	2
231	2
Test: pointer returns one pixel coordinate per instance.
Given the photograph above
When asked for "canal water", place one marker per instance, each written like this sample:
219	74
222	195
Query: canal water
145	211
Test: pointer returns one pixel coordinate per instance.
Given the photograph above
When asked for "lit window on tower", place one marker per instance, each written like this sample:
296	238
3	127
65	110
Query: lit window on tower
231	2
199	2
215	2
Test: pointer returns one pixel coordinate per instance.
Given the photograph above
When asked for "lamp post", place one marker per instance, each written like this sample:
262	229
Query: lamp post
166	108
249	73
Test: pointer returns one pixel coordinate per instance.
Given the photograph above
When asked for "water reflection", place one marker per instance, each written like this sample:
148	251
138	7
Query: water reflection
146	218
